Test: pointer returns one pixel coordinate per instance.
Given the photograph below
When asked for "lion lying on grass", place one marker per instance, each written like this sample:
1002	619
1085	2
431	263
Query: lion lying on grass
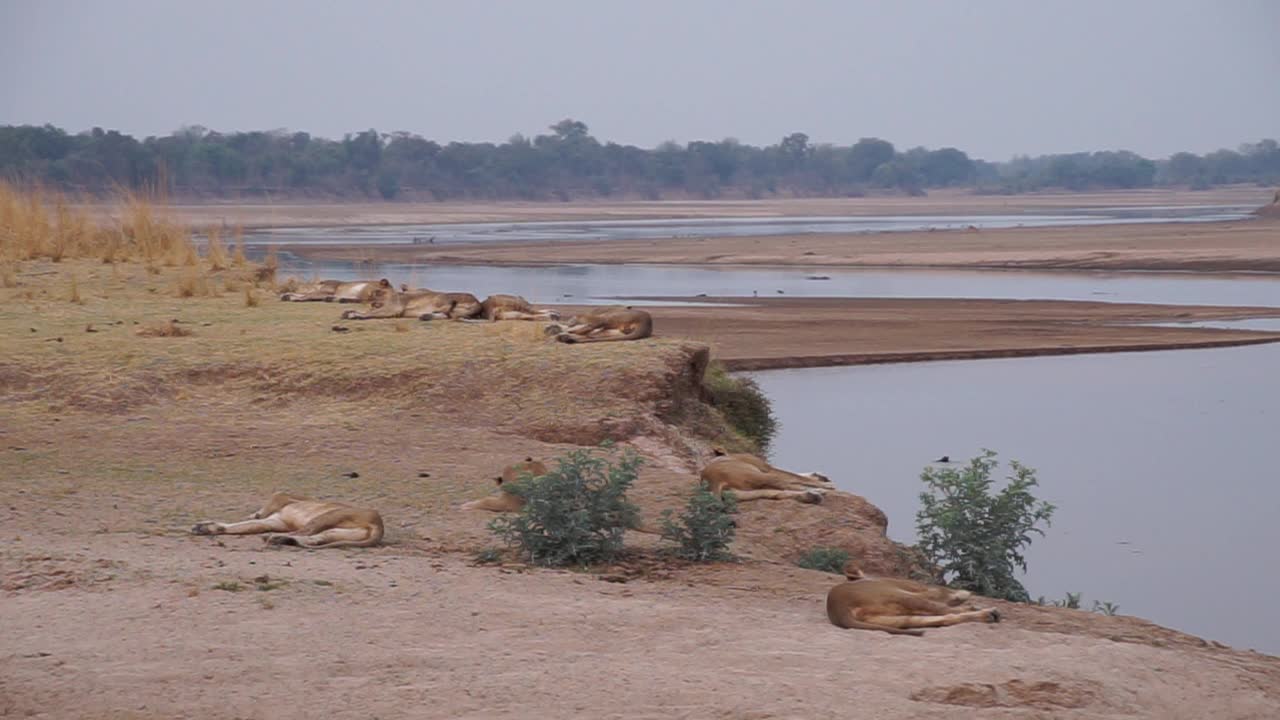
604	326
751	478
513	307
295	520
893	606
356	291
505	501
387	302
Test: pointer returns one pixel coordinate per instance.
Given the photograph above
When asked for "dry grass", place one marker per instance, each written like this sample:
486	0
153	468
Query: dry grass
74	295
506	374
215	253
192	284
250	298
8	275
39	225
163	329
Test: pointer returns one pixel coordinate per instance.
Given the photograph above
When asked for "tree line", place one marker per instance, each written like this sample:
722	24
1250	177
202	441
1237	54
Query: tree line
567	163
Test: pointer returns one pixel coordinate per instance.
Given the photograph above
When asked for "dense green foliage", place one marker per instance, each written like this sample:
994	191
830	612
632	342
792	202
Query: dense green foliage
974	536
576	514
826	559
705	528
743	404
567	163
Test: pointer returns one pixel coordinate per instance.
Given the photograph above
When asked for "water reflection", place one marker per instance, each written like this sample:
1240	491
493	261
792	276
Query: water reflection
1162	465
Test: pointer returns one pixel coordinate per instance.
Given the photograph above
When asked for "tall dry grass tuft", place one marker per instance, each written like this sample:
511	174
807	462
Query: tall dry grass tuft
8	275
74	295
238	259
193	284
215	253
250	297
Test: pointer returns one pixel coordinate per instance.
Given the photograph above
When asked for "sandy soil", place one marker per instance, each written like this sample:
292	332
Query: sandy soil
111	611
1243	246
305	214
763	333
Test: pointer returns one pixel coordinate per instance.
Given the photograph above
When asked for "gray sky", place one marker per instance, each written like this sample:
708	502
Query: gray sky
993	78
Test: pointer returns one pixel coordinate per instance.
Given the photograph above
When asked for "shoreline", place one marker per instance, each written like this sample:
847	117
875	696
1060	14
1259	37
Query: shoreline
1249	246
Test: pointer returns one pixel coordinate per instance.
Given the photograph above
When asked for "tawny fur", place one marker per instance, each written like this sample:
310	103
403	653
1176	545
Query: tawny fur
607	325
355	291
884	606
752	478
504	501
296	520
513	307
937	593
387	302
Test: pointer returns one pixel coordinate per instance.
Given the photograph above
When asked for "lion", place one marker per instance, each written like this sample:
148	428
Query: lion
465	305
604	326
879	604
751	478
297	520
937	593
506	501
387	302
513	307
355	291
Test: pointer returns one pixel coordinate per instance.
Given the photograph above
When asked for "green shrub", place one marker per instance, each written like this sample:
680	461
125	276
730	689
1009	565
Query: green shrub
1072	601
706	526
575	514
826	559
743	404
974	537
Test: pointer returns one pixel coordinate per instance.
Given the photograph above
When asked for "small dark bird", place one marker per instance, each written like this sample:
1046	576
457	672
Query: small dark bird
943	459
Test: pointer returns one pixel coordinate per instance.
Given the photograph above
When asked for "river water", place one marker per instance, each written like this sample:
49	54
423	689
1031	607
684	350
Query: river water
1163	466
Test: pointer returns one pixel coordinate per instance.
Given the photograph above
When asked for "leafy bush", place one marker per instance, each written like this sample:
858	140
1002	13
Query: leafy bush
575	514
974	537
826	559
743	404
706	526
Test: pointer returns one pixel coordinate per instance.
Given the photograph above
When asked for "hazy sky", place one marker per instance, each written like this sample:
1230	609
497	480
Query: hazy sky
993	78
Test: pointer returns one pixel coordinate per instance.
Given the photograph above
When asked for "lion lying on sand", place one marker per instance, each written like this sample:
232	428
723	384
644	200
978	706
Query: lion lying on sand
355	291
751	478
898	606
295	520
937	593
604	326
505	501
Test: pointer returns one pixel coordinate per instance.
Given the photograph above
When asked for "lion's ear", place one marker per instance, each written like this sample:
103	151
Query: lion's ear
718	450
404	287
384	283
498	480
528	459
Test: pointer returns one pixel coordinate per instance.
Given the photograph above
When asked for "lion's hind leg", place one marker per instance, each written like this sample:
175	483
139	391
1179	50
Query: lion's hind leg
249	527
333	537
928	621
804	496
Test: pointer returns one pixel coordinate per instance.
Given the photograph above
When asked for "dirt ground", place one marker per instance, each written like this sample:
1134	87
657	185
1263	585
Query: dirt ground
114	444
111	610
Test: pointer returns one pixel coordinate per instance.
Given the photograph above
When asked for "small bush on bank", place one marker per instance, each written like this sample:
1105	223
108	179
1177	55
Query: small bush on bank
576	514
976	537
743	404
706	527
826	559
